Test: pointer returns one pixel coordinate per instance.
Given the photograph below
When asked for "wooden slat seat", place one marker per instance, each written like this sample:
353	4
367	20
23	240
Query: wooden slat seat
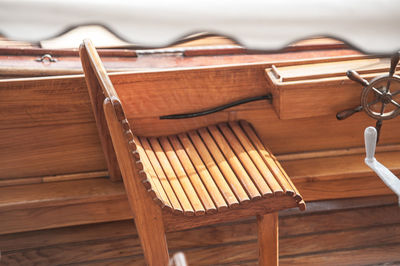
210	170
213	174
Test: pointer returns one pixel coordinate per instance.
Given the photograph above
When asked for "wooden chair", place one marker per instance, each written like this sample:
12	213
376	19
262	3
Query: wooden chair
214	174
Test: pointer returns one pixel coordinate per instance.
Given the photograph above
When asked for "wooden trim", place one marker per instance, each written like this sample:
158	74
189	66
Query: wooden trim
97	93
53	178
260	207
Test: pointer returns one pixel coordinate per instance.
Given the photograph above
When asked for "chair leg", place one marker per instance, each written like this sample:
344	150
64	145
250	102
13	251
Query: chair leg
150	227
268	239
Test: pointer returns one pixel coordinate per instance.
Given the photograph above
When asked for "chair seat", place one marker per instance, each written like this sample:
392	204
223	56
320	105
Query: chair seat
210	170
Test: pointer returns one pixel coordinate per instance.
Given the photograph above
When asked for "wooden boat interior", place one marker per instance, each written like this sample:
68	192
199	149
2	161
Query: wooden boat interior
60	203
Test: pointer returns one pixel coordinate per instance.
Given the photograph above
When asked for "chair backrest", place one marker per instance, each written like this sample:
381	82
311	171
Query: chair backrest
100	88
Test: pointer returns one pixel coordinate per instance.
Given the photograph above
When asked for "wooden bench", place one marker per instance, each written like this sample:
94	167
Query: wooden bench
214	174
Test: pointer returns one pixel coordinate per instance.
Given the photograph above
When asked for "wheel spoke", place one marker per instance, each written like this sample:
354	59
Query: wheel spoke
395	103
383	108
393	63
395	93
387	85
377	91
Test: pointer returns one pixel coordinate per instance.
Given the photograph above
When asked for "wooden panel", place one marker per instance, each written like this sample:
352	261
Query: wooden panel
47	128
358	232
50	150
22	220
44	101
337	167
59	193
58	100
189	90
291	226
31	102
342	188
311	134
42	198
58	204
367	256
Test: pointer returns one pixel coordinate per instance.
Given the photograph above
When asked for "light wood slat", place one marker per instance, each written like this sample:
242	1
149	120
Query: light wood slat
172	178
205	197
268	159
175	204
222	164
258	161
180	173
209	171
155	182
234	162
247	163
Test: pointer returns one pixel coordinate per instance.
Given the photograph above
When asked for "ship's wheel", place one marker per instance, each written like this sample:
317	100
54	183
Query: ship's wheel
380	98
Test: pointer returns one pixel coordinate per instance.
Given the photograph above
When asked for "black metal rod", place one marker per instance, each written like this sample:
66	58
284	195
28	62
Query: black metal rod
218	108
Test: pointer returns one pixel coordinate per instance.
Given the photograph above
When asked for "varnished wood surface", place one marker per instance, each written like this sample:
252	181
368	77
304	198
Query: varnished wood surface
268	232
97	97
360	235
151	220
319	89
55	113
196	50
148	216
52	203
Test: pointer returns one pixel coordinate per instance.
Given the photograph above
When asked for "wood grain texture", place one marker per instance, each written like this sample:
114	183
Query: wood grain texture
20	62
268	239
218	166
347	233
259	207
52	202
321	220
304	90
97	97
49	150
266	171
148	217
20	220
44	101
170	175
63	101
198	184
245	180
211	175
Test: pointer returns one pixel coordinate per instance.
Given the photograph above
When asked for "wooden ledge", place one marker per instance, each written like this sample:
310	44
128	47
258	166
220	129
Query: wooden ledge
59	193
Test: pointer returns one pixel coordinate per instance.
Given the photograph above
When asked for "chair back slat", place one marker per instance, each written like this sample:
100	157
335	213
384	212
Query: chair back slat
100	87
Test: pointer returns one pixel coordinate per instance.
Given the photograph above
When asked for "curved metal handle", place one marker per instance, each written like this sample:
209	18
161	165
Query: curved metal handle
385	174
